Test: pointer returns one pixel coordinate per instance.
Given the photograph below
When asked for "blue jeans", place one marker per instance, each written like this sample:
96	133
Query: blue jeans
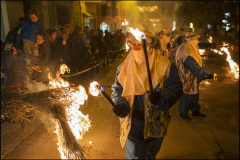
139	148
189	101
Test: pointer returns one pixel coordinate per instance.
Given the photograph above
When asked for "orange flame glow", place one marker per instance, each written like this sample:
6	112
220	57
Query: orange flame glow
127	48
210	39
77	122
233	65
137	34
201	51
93	89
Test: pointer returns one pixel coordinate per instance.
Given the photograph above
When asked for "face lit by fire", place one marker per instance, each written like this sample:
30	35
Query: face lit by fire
137	46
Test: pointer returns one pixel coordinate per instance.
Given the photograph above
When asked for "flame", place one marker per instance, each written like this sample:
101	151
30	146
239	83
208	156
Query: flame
93	89
77	122
173	28
125	22
233	65
64	68
207	83
201	51
127	48
137	34
216	51
234	69
210	39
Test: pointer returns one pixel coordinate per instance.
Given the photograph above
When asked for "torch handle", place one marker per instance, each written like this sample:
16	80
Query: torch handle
147	64
108	99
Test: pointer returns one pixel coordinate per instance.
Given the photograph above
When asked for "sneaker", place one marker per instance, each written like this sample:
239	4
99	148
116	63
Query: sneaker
185	116
35	67
197	113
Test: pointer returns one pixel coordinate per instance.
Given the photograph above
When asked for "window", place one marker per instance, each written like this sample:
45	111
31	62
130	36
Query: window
86	21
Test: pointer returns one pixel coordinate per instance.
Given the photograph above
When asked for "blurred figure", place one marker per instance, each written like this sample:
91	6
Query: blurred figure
169	43
12	34
86	31
54	57
174	33
81	51
75	33
68	51
178	40
164	41
13	65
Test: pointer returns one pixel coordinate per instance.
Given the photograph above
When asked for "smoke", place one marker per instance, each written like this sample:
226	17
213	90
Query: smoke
34	86
162	12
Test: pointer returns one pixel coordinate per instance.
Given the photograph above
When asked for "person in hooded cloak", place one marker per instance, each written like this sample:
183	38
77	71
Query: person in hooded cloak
144	118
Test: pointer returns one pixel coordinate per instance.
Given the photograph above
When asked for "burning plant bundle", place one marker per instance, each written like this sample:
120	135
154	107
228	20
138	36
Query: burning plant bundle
14	109
59	104
62	104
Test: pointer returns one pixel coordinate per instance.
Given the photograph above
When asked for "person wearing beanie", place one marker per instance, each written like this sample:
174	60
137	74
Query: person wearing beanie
189	64
27	35
144	117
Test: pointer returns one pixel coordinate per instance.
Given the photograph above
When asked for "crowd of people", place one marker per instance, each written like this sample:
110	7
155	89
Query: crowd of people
40	51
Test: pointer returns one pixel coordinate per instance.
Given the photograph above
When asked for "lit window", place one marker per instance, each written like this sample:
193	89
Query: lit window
122	23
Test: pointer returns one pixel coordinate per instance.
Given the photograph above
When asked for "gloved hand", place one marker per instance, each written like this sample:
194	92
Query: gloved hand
154	98
119	109
210	76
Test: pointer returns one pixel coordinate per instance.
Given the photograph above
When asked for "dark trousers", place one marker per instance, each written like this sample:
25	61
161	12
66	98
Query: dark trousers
189	101
139	148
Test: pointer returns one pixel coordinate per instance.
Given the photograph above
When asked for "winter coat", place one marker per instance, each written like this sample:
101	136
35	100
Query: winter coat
156	117
54	58
28	31
44	52
14	67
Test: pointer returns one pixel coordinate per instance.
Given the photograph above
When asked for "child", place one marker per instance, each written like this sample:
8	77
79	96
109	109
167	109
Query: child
27	33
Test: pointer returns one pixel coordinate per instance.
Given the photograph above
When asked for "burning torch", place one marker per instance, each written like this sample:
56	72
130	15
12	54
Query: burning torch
143	37
95	88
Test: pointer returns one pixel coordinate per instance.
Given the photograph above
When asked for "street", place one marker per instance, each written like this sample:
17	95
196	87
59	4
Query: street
213	137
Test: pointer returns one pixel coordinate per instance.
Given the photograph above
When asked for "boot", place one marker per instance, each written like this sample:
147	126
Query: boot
197	113
185	116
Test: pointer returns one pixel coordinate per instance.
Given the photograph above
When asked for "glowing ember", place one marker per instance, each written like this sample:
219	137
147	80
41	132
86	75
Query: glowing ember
216	51
93	89
210	39
233	65
207	83
77	122
201	51
137	34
